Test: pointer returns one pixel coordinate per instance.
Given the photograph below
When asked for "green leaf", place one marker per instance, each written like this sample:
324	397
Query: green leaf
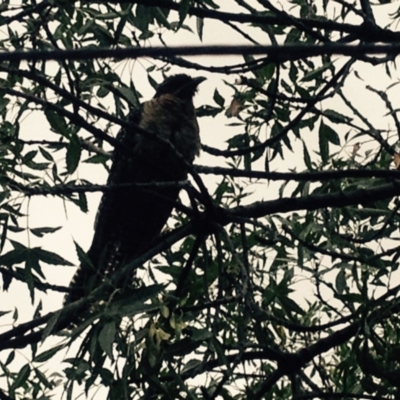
51	323
293	36
208	111
46	355
82	256
21	378
323	144
146	35
316	73
3	235
13	257
184	6
330	134
130	95
200	26
4	195
57	122
307	158
4	313
336	117
73	154
102	91
143	18
97	159
81	202
201	334
29	156
161	15
42	378
183	347
340	282
10	358
40	232
50	258
218	98
106	338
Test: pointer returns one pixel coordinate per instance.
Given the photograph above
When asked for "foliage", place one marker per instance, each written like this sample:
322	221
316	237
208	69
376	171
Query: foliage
281	280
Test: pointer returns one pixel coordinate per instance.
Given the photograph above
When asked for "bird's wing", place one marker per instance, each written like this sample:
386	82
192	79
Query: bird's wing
105	249
129	219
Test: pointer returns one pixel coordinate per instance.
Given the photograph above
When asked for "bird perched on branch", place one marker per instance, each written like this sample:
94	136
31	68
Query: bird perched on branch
129	219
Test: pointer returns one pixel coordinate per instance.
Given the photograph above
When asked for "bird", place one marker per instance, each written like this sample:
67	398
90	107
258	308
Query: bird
130	219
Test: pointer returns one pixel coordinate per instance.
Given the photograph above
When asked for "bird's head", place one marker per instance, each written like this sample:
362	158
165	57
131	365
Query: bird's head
181	85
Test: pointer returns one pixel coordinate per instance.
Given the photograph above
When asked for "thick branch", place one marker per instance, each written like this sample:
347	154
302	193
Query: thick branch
314	202
316	176
276	54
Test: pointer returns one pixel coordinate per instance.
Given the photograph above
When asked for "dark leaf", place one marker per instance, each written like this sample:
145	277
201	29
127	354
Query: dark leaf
40	232
323	143
106	338
218	98
50	257
74	150
46	355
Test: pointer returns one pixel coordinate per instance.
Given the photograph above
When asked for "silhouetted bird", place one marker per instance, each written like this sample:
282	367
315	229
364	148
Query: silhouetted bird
130	219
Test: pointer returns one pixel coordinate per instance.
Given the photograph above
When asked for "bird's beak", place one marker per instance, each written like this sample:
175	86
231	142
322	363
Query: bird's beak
198	80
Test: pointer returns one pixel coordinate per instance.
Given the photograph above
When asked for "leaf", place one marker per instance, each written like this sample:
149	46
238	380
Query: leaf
46	355
161	15
42	378
57	122
218	98
106	338
4	313
183	347
191	364
10	358
293	36
330	134
316	73
323	144
12	257
40	232
97	159
184	6
74	150
21	378
51	323
3	236
135	303
143	18
4	194
102	91
84	259
200	26
307	158
49	257
29	156
340	282
201	334
208	111
336	117
130	95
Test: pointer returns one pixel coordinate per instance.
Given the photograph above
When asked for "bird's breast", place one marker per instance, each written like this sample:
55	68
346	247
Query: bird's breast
174	120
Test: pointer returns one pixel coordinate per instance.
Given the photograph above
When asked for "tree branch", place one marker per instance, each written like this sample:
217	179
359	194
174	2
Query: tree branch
315	202
276	54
